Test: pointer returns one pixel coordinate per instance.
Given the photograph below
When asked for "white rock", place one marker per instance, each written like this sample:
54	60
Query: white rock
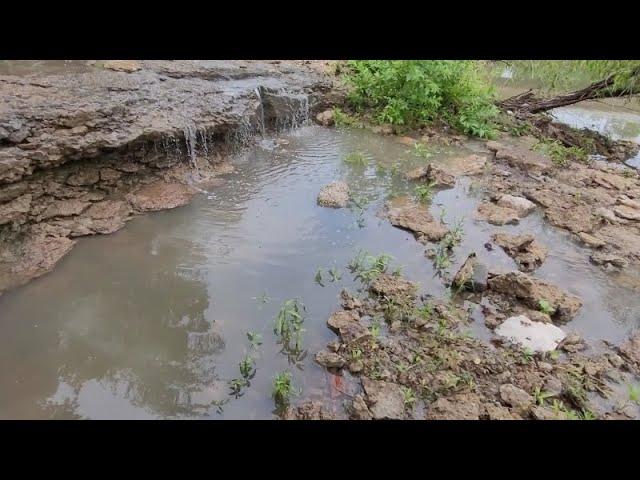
537	336
521	205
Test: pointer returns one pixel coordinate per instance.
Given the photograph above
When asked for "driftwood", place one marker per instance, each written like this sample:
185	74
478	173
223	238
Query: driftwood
527	101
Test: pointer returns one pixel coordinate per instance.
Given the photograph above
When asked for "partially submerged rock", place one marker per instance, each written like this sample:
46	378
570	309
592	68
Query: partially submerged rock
161	195
575	218
329	359
591	240
385	399
472	275
531	291
536	336
417	219
608	259
520	204
496	215
472	164
393	286
326	118
347	324
334	195
349	302
528	253
38	255
520	157
433	174
358	410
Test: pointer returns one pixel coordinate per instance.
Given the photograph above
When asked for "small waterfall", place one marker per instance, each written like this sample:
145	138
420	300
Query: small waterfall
191	141
262	122
203	142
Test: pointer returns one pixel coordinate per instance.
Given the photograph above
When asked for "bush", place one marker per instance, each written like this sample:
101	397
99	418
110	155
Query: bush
416	92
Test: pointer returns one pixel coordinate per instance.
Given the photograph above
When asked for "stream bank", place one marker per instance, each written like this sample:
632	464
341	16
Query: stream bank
84	150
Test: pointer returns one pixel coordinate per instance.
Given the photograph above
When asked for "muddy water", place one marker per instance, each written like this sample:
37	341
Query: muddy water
618	120
151	322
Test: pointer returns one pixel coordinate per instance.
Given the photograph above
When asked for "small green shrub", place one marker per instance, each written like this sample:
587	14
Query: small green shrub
417	92
561	155
283	388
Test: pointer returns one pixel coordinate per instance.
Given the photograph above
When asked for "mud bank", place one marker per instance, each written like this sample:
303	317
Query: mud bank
81	153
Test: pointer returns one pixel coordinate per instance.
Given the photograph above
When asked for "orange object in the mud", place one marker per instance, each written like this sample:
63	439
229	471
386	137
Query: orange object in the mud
335	384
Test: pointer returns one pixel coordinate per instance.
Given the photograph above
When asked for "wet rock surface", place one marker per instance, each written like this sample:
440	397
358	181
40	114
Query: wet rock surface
531	291
133	134
434	175
496	215
334	195
596	200
416	218
524	249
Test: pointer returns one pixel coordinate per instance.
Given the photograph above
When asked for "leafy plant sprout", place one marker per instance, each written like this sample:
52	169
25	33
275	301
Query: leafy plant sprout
335	274
425	191
283	389
545	307
421	150
255	339
356	159
288	329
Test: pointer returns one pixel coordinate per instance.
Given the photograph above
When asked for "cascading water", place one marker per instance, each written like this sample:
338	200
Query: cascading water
191	141
262	123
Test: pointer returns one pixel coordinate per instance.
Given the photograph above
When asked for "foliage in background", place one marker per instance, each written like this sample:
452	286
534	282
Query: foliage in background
417	92
572	74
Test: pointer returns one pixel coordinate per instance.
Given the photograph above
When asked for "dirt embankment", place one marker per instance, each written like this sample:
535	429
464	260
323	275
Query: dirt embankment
80	153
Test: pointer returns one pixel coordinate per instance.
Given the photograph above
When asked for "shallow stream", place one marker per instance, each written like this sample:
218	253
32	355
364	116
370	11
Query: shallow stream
151	322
